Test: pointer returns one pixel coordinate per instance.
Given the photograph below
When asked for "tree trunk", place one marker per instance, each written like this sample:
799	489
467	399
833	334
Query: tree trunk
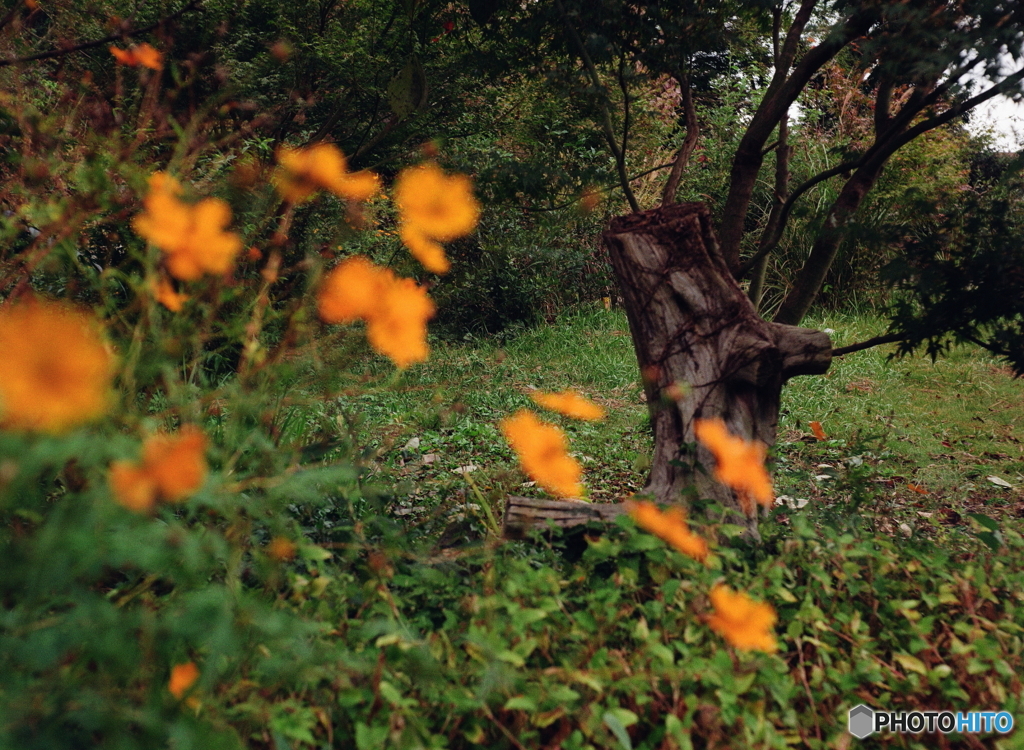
693	326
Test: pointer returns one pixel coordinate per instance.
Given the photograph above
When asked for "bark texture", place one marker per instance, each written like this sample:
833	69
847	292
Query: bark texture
693	326
525	513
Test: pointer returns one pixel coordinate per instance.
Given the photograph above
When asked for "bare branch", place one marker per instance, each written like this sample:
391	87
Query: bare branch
787	207
124	34
606	121
668	195
876	341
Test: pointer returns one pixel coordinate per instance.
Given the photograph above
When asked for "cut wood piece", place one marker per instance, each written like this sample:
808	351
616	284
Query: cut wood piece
525	513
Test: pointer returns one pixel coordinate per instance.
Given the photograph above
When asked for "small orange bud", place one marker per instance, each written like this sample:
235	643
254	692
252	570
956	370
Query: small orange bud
183	677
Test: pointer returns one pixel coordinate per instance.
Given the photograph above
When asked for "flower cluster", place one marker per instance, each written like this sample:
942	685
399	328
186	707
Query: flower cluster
396	310
191	236
55	370
739	463
172	468
434	208
543	452
321	166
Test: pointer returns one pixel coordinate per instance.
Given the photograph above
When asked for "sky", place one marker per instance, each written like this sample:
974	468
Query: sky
1005	118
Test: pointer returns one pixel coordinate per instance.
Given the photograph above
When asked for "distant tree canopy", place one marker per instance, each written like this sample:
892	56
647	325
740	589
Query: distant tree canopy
545	101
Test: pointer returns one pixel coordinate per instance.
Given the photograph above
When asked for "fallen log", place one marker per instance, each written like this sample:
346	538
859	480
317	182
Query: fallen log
525	513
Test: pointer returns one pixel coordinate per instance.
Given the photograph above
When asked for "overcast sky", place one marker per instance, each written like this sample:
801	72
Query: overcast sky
1004	118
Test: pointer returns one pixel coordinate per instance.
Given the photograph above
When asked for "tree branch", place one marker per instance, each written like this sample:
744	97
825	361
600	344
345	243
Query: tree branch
668	195
606	123
876	341
124	34
787	207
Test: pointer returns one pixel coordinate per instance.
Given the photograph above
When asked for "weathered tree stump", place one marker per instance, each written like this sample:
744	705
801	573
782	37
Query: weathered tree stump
693	326
525	513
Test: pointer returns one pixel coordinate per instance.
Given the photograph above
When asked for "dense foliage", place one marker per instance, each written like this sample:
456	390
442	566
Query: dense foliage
194	550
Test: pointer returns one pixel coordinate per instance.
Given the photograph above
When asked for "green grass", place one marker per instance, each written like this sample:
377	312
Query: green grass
941	428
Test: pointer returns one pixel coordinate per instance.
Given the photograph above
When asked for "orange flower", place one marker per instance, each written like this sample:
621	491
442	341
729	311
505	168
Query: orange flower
670	526
183	677
166	296
430	254
543	452
740	464
281	549
55	369
177	463
434	207
191	236
144	54
744	623
352	290
320	166
398	328
569	403
817	431
396	310
133	486
173	467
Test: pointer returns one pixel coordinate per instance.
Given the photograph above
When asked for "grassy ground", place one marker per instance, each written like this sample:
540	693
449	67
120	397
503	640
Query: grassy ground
926	437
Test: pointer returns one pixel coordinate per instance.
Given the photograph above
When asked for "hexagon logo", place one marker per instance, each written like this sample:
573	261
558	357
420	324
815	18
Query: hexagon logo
861	721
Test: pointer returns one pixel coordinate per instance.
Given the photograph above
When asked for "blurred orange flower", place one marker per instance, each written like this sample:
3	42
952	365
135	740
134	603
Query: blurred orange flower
396	310
173	467
144	54
743	622
321	166
177	463
817	431
133	486
543	451
434	207
164	292
191	236
740	463
670	526
281	549
55	368
183	677
569	403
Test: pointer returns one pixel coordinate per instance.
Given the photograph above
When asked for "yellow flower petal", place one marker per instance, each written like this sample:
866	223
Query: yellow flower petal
571	404
55	368
670	526
183	677
543	452
743	622
191	236
740	463
438	205
320	166
429	253
396	310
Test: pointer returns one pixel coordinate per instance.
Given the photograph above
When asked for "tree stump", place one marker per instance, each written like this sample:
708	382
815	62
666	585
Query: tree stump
694	328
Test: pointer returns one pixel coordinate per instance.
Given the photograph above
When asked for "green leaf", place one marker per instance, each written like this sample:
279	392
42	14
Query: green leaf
370	738
614	723
989	523
911	663
521	703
